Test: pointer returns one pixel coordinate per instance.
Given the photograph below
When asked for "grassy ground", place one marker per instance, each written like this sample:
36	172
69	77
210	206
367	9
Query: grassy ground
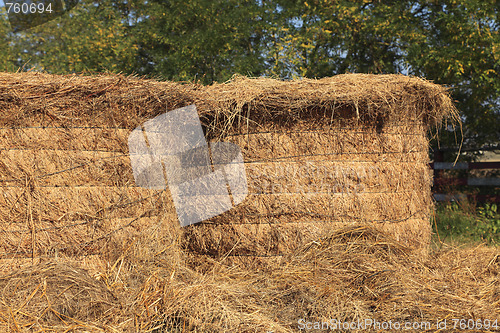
467	223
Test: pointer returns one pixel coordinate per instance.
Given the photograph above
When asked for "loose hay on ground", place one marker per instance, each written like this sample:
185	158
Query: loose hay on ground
348	274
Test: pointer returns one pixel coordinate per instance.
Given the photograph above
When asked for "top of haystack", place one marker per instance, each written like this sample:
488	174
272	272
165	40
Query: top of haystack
36	99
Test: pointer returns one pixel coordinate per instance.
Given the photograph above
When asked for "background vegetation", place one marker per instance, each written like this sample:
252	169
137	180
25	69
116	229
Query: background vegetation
466	222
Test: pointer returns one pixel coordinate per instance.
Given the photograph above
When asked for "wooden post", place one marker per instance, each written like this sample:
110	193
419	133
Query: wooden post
438	174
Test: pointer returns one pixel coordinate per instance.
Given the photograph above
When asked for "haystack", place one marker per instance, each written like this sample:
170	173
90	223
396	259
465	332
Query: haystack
318	154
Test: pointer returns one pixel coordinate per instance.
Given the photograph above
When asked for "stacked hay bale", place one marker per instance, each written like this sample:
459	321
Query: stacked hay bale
318	154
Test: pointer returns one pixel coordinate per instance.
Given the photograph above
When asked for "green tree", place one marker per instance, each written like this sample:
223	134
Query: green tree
460	47
202	39
92	37
175	40
322	38
7	57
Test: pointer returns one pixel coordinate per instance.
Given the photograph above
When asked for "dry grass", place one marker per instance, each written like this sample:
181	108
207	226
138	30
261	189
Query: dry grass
349	274
84	249
35	99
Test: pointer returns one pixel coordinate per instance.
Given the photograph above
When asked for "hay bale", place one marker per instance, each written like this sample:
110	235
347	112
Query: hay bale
319	154
301	186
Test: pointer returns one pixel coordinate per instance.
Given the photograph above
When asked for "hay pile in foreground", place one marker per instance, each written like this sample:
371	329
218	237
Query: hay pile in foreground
319	155
349	275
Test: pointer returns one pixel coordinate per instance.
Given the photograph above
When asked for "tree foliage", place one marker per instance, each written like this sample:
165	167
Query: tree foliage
203	39
330	37
6	52
462	50
91	38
